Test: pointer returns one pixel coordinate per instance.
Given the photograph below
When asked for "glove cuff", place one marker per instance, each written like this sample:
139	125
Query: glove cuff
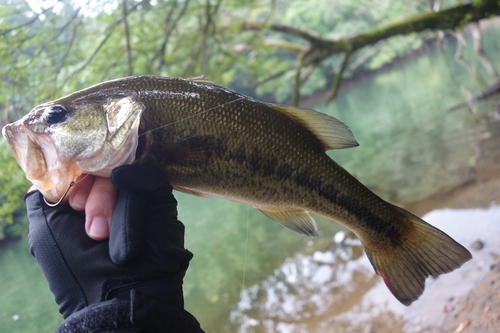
166	289
141	313
110	316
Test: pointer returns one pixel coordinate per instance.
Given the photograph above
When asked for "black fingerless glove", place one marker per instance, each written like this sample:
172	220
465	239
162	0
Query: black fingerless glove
133	282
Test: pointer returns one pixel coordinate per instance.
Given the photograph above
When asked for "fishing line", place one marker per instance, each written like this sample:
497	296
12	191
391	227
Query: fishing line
66	192
246	253
194	115
79	180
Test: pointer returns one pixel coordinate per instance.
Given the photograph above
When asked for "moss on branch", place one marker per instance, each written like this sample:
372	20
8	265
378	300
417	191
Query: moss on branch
321	48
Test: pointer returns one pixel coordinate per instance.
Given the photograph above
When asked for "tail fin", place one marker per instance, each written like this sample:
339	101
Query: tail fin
426	251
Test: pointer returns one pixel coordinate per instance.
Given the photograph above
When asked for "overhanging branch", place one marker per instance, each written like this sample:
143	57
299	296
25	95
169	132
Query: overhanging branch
320	48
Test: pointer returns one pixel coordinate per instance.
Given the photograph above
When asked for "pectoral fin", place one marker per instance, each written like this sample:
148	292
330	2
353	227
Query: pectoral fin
298	221
190	191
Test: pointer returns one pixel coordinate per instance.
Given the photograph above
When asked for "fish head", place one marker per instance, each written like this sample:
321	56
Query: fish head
58	141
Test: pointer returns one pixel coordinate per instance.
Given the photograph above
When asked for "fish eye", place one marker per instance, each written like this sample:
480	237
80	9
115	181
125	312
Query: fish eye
55	115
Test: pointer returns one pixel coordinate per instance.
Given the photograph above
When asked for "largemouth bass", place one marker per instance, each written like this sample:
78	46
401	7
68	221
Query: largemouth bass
210	141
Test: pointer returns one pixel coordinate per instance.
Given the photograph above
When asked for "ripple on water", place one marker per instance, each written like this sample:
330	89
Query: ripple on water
337	289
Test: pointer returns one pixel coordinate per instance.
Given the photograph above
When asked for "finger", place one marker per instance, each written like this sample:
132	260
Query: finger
99	208
80	192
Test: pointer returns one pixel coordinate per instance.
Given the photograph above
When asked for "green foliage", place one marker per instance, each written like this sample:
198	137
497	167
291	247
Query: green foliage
53	48
393	48
13	185
465	20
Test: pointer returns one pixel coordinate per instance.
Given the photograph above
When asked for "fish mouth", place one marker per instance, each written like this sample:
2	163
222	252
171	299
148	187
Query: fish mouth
18	142
37	156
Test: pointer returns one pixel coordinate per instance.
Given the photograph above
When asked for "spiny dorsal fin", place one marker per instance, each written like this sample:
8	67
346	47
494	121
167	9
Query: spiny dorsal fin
332	133
298	221
201	79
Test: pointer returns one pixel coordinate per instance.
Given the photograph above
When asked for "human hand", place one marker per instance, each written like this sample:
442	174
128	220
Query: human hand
143	260
97	197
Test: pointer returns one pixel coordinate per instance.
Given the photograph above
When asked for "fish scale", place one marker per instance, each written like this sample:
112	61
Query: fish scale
210	141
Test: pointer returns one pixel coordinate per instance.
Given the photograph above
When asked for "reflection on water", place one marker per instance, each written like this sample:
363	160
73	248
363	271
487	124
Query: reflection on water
337	291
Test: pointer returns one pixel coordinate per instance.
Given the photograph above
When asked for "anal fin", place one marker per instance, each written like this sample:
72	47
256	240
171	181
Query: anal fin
298	221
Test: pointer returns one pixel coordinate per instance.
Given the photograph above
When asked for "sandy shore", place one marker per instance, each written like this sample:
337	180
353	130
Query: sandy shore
479	310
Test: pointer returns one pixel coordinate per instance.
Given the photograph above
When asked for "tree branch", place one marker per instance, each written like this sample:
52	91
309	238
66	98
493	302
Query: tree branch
109	29
95	52
338	77
207	23
461	43
169	28
27	23
271	77
297	82
291	30
367	56
126	35
320	48
446	19
479	51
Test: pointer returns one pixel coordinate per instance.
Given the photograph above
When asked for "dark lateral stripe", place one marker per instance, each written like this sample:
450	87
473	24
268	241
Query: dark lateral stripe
350	204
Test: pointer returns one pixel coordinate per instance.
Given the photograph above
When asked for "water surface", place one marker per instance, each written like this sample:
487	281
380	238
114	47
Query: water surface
335	290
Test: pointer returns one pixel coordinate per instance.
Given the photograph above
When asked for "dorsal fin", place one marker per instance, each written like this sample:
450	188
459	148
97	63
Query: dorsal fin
201	79
332	133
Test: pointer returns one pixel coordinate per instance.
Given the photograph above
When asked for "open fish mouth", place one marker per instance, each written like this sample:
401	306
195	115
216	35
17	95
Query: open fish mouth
41	166
18	142
54	144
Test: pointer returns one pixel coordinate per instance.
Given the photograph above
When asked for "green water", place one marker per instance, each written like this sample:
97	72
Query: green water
26	304
409	148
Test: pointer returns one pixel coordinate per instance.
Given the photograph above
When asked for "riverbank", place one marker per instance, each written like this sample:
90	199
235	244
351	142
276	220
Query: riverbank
479	310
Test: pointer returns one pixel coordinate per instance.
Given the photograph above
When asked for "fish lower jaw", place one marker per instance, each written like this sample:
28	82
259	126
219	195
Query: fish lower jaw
56	184
50	194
